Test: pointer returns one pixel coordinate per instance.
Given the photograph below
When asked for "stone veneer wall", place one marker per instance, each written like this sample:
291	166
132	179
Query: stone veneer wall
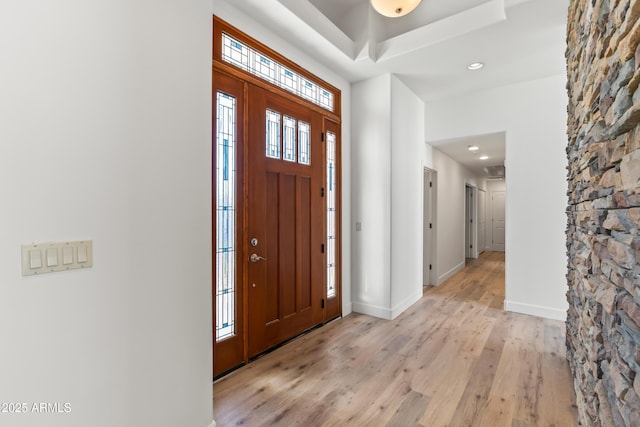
603	238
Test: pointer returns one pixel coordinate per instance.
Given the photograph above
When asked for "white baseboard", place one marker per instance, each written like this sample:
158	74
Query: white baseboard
347	309
398	309
450	273
386	312
371	310
536	310
213	423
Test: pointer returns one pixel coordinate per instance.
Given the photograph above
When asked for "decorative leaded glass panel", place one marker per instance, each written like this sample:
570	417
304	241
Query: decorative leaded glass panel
289	141
247	58
309	90
304	146
326	97
264	67
289	80
235	52
225	216
331	214
273	134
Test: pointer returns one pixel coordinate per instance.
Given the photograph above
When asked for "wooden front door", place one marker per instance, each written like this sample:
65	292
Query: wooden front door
276	226
285	220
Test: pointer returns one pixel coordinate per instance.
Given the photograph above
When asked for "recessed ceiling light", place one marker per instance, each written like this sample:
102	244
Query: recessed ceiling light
475	66
484	157
473	148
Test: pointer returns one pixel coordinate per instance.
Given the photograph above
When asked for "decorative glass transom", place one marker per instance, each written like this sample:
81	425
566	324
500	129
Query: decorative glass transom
287	144
247	58
225	216
331	214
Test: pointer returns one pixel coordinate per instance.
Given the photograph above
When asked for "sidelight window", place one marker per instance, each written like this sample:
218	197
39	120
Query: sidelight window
225	216
331	214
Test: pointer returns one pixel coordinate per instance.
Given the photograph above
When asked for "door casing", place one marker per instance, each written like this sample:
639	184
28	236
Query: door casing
330	122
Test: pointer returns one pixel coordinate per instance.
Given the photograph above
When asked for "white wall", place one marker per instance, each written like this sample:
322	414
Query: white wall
235	17
105	130
407	136
371	202
387	196
452	178
533	114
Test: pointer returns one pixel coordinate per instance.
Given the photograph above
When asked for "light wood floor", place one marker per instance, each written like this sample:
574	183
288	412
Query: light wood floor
453	359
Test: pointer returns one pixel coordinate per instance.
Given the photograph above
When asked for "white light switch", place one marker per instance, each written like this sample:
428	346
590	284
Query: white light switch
35	258
40	258
82	254
67	255
52	257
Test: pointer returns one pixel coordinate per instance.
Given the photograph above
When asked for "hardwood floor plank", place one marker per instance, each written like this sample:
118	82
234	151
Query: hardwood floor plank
455	373
452	359
530	353
476	395
411	410
558	404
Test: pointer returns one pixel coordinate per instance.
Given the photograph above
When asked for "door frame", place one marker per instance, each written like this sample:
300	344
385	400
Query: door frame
482	225
429	210
470	221
331	120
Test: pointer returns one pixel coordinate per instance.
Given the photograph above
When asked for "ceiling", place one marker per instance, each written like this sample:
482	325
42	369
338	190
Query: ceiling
491	145
428	49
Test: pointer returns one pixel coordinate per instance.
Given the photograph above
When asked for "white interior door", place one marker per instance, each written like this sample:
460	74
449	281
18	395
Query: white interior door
497	220
482	221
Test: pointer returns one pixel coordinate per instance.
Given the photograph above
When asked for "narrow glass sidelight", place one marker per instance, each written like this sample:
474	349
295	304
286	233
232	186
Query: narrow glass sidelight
331	214
273	134
225	216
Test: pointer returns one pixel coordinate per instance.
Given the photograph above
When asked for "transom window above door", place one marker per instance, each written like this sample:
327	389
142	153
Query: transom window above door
258	64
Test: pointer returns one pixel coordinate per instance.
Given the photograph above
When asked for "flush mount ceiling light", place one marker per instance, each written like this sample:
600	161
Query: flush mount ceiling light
473	148
484	157
475	66
394	8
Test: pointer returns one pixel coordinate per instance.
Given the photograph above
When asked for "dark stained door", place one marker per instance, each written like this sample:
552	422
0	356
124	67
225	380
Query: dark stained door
285	220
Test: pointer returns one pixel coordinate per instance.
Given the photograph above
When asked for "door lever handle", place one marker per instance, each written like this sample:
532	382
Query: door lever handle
256	258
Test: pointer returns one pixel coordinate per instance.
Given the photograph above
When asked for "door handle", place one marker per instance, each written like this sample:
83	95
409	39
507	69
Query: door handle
256	258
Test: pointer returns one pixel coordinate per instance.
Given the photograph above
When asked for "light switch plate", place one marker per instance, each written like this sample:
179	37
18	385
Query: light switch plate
59	256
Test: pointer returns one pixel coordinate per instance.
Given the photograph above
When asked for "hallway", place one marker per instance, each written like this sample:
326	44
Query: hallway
452	359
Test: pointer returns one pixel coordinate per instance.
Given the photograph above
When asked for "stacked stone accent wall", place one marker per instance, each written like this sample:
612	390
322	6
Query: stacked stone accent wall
603	237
